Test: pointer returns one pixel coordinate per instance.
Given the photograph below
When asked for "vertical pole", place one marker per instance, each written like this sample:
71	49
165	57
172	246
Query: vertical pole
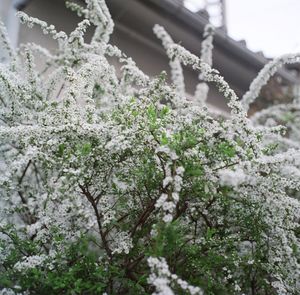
224	15
220	16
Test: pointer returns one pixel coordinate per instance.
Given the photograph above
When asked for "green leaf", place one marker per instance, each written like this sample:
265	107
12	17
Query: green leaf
61	149
86	149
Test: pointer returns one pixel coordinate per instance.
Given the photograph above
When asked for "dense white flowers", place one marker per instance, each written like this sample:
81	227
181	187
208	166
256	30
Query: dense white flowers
231	177
5	43
208	75
7	291
122	243
171	183
264	75
103	169
30	262
176	69
206	55
162	279
47	29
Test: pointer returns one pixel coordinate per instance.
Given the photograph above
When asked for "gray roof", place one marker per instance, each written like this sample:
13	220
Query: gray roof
135	14
222	40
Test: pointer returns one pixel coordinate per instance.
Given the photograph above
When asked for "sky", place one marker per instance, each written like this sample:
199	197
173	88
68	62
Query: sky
271	26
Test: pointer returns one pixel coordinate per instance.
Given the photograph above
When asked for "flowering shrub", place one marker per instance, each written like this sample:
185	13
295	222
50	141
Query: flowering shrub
115	183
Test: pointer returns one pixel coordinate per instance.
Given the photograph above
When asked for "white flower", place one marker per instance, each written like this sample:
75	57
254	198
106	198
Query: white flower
122	243
232	178
167	218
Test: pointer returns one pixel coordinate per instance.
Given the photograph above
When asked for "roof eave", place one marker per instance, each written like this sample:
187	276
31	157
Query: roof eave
198	22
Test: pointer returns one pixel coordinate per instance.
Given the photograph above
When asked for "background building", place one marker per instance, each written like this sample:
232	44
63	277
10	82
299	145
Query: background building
134	20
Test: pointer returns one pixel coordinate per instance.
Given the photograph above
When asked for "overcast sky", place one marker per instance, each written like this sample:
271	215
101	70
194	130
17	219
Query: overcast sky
272	26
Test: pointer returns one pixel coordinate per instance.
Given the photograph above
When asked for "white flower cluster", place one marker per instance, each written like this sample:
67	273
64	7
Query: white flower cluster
7	291
171	184
31	21
122	243
206	55
208	75
30	262
5	43
176	69
161	278
264	75
231	177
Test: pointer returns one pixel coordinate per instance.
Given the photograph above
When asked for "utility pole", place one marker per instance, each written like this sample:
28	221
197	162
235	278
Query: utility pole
217	12
224	15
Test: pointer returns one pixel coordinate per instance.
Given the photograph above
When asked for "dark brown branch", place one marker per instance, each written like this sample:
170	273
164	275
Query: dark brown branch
208	223
180	210
92	201
118	220
226	166
28	217
134	263
24	172
143	217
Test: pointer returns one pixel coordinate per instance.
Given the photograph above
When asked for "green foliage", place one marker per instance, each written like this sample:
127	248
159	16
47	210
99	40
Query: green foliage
76	270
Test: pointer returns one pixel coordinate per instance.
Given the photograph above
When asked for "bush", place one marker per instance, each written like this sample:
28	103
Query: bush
118	184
